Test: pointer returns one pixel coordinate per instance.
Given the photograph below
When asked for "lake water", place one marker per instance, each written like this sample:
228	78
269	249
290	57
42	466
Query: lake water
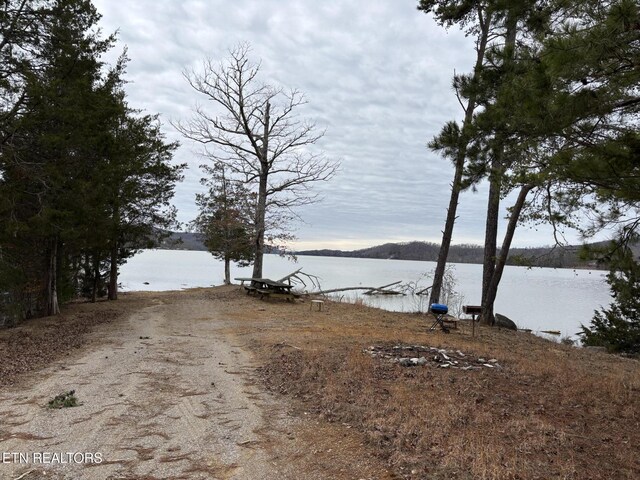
538	298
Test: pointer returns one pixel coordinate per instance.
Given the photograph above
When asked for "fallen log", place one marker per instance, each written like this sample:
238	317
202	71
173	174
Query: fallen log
551	332
344	289
369	290
423	291
383	290
296	277
288	277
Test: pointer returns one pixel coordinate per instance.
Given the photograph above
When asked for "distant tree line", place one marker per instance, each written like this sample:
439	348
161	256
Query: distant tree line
551	257
569	257
85	180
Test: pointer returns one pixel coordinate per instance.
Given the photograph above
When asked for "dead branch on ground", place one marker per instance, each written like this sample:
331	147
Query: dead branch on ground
298	278
383	290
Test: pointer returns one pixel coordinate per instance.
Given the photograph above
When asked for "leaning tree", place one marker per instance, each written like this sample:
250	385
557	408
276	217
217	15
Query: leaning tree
255	130
454	140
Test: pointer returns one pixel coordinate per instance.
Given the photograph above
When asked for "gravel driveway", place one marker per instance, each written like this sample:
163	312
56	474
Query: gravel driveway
164	394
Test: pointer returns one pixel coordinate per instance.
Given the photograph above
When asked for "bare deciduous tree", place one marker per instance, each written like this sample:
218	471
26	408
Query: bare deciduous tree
254	129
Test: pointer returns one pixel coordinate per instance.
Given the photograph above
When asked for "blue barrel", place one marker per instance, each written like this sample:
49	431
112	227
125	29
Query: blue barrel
439	309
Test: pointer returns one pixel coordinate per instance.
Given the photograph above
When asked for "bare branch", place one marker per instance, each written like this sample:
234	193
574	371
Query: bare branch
254	129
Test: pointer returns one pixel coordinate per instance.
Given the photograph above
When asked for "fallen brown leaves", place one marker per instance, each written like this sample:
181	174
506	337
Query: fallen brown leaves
36	343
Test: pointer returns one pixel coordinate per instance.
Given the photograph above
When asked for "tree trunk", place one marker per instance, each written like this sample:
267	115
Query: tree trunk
113	273
262	199
112	287
260	227
75	268
227	270
495	178
52	281
447	233
491	237
86	267
492	290
228	235
96	278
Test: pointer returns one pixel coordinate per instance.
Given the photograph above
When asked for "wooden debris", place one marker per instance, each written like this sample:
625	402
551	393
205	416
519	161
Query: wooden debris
424	291
383	290
298	277
25	474
421	355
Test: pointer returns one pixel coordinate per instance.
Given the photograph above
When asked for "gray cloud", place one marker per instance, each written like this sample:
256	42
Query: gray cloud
377	75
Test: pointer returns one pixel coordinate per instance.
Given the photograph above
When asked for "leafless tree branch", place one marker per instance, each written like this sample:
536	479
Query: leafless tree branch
255	130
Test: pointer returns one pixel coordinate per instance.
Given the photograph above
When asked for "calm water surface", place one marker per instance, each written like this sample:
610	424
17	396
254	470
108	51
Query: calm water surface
539	298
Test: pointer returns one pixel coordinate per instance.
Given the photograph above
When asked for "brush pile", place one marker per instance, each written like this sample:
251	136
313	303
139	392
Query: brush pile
420	355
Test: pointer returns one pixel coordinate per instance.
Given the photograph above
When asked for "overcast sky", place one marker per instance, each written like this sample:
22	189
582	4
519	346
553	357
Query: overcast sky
377	75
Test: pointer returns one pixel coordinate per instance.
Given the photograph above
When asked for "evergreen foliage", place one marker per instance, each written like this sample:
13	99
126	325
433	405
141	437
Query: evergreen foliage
581	103
618	327
84	179
560	105
225	221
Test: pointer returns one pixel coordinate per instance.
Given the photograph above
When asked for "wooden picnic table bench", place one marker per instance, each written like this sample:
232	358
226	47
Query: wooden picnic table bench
268	288
252	286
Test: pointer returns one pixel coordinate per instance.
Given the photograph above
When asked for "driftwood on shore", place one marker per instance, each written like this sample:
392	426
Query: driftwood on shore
301	278
383	290
298	277
290	276
424	291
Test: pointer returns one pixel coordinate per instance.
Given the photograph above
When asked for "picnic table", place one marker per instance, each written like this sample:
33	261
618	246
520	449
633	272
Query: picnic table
266	288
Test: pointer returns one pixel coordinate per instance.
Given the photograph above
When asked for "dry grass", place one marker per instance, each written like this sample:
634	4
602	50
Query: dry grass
551	411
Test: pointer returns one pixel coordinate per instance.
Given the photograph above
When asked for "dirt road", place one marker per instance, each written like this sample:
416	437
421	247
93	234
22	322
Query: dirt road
168	393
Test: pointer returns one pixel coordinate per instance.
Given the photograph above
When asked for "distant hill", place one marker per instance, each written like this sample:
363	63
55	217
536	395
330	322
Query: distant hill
567	257
191	241
183	241
426	251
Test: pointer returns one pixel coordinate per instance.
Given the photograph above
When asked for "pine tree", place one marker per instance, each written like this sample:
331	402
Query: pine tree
86	180
51	153
453	141
136	185
489	144
22	26
225	221
618	327
580	103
